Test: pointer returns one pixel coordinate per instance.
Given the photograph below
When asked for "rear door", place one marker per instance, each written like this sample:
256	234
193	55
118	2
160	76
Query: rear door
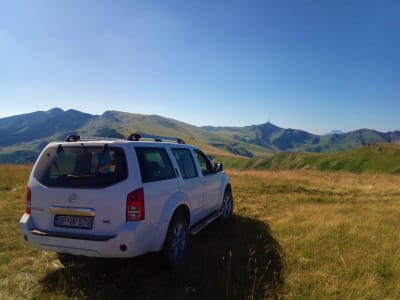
80	189
159	179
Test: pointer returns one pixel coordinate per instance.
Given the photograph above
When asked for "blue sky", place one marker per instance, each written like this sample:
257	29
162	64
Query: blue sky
316	65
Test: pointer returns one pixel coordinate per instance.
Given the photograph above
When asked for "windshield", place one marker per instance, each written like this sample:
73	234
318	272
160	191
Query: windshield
81	166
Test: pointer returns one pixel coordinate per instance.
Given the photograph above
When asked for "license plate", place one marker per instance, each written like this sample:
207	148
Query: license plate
73	221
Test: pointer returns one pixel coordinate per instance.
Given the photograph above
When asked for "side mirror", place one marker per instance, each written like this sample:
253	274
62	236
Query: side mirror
218	167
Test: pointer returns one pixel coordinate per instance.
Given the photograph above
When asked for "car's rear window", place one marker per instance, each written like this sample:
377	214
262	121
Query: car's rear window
81	167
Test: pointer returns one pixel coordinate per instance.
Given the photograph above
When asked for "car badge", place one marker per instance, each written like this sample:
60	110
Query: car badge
72	198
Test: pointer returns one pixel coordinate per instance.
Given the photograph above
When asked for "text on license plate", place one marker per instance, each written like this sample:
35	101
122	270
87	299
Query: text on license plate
73	221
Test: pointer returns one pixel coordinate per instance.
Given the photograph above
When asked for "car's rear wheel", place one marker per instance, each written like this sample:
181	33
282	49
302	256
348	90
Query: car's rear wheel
176	242
227	204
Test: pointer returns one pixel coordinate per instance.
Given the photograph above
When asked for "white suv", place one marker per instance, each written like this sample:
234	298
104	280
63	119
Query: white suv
122	198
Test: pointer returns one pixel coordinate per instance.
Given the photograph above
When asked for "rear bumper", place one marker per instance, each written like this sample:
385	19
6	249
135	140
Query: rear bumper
92	245
66	235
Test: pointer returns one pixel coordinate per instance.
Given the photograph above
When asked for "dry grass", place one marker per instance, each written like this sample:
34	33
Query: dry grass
339	231
295	234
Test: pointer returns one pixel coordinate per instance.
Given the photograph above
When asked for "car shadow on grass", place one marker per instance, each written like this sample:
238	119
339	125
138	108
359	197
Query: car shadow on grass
234	259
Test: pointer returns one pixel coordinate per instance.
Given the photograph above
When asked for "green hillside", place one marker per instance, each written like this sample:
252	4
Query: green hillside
374	158
41	124
278	139
122	124
25	135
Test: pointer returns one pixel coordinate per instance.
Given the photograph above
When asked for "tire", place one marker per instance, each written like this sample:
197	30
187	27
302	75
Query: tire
176	241
227	205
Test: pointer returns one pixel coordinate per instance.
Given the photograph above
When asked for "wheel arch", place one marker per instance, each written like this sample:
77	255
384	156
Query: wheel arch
228	187
225	185
184	210
173	206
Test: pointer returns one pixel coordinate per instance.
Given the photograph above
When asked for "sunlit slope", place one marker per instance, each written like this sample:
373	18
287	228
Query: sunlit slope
371	159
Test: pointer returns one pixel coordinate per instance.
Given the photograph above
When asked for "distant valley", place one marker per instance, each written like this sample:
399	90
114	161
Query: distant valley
25	135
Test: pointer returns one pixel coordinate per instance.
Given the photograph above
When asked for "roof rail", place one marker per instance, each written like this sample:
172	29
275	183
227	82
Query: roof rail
156	138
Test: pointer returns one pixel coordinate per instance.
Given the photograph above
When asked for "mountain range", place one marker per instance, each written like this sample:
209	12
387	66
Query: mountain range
24	136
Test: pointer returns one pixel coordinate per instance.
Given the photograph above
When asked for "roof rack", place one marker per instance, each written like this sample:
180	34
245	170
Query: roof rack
76	138
72	138
156	138
132	137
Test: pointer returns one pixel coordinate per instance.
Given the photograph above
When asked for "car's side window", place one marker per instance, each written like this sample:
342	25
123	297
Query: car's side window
155	164
205	164
185	162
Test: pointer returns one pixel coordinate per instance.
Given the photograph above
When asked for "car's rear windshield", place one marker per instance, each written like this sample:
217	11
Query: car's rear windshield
81	167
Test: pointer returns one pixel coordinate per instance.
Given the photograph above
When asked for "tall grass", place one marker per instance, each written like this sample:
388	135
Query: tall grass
338	231
294	234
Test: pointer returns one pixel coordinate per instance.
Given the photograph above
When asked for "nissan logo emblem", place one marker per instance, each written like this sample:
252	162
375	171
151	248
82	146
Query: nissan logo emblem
72	198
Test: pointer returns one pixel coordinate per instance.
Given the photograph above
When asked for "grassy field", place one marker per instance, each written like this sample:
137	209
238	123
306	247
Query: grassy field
295	234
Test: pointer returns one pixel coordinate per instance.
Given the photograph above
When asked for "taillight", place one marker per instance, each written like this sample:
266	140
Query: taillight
135	205
28	207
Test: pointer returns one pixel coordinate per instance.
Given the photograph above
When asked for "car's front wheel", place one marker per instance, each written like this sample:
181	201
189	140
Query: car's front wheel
227	204
176	242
